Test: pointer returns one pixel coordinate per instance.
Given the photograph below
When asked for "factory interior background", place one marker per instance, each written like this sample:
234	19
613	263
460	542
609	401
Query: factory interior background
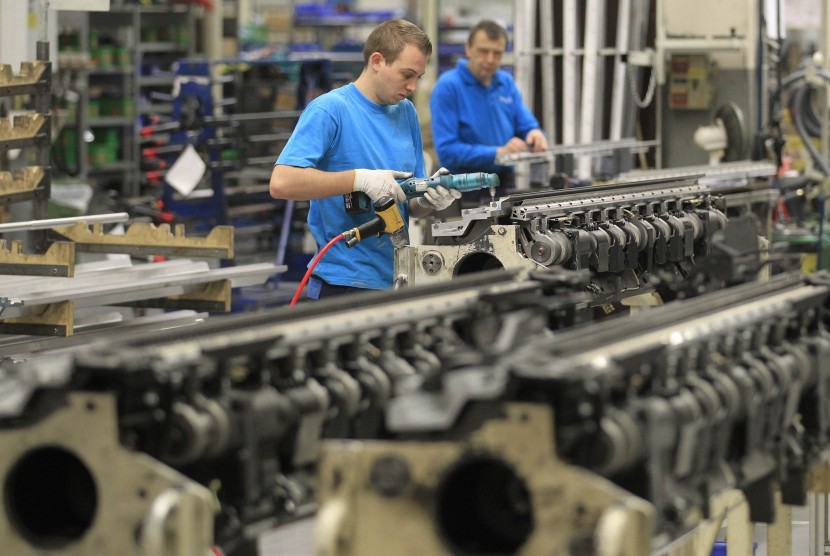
616	343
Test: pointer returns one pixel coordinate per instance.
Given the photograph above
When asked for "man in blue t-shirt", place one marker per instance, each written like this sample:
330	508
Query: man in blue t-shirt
361	137
478	113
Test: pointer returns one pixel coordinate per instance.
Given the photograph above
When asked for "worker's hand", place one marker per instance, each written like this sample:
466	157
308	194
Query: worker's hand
380	183
515	145
439	198
536	141
440	172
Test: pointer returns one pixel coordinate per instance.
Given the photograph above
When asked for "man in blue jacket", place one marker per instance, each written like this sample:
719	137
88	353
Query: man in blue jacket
478	113
361	137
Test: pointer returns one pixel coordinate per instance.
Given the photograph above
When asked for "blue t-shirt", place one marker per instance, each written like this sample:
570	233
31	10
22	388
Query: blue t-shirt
343	130
471	121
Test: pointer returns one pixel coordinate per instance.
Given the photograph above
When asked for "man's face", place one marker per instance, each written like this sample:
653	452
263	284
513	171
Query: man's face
398	80
484	55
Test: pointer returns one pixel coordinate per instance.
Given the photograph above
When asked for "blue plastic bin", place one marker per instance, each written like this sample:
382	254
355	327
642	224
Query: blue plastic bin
720	548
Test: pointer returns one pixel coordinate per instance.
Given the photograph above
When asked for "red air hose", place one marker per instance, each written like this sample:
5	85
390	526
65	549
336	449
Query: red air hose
311	268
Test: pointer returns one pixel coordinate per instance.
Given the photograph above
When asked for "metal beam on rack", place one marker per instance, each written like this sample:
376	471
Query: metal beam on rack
618	89
121	283
47	223
523	43
591	79
548	69
596	148
571	77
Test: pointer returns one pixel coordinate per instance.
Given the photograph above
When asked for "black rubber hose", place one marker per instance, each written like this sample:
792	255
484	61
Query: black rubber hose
799	96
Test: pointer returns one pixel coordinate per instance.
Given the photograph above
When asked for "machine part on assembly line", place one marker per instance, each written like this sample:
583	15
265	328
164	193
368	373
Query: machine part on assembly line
432	261
71	488
240	409
702	396
551	248
509	423
498	490
622	233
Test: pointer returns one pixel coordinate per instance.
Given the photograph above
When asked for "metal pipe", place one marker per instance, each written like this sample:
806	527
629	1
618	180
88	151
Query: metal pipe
47	223
817	504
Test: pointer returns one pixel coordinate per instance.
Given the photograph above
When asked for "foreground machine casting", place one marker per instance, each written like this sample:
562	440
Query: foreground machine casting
131	444
610	440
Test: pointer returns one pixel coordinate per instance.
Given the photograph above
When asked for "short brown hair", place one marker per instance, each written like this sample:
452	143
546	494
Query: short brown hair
391	37
493	30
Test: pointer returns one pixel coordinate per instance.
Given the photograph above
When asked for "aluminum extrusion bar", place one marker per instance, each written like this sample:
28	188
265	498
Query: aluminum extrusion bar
46	223
109	327
596	148
592	202
723	171
590	119
619	90
571	76
138	283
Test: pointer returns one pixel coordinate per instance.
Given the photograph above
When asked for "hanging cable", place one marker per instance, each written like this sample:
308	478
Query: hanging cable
652	85
311	267
800	96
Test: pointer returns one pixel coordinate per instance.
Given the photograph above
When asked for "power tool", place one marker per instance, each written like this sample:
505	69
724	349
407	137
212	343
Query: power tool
387	220
358	202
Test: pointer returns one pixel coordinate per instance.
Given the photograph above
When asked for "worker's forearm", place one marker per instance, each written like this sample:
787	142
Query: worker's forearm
457	154
305	184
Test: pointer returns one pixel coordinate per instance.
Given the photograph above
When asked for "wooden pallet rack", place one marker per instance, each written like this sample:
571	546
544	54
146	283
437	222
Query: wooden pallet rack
29	131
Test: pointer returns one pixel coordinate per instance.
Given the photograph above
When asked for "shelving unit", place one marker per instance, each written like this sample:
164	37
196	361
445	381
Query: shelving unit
238	148
123	65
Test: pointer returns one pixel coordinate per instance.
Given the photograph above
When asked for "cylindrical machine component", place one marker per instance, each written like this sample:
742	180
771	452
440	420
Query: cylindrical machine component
717	219
694	220
621	443
617	234
676	225
636	234
662	227
551	248
190	432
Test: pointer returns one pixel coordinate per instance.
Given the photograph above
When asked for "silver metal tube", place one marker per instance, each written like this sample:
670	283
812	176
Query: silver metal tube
47	223
817	504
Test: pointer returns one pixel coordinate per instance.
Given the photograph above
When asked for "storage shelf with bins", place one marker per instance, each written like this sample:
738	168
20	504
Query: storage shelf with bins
124	61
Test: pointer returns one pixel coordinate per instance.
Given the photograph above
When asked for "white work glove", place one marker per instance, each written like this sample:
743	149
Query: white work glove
380	183
439	198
